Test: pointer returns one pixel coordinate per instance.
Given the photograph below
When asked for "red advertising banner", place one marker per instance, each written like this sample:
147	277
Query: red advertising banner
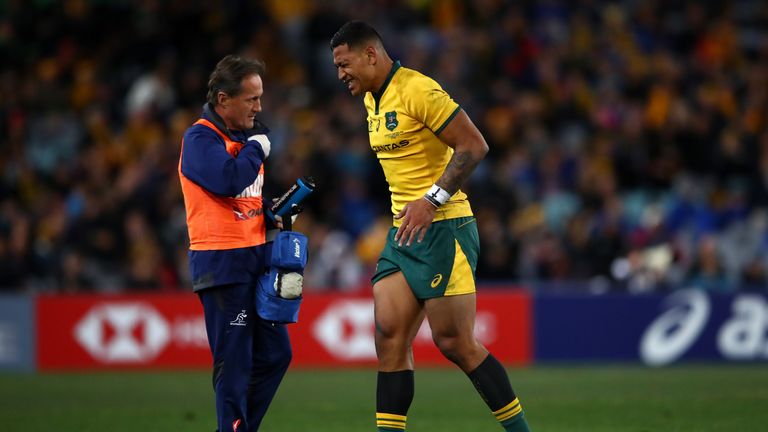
338	330
168	330
114	332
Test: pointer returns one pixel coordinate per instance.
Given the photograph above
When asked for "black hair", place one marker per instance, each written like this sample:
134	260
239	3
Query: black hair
354	34
228	76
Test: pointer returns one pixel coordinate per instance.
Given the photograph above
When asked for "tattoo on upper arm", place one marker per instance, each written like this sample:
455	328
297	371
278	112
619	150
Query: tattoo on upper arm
457	171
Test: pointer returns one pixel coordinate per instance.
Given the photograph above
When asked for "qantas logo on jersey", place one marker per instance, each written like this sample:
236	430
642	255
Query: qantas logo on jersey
246	214
392	146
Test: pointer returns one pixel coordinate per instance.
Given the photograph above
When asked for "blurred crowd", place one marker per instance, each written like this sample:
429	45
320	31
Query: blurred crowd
628	139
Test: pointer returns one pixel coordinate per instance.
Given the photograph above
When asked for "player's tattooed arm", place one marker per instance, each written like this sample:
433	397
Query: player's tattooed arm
469	148
457	171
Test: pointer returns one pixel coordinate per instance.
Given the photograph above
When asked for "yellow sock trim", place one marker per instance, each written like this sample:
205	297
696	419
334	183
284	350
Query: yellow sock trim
511	414
396	421
392	425
384	416
508	411
509	406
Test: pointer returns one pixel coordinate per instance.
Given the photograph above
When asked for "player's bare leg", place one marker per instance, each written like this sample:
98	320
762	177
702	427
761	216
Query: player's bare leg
452	320
398	315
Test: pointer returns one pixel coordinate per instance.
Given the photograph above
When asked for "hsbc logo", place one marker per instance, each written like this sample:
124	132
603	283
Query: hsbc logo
345	329
123	332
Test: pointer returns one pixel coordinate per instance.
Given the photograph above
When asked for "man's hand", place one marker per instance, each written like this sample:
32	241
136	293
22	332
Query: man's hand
295	210
279	220
417	217
263	142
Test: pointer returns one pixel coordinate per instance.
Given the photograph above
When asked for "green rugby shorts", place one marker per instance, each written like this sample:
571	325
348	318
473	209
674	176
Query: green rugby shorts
443	264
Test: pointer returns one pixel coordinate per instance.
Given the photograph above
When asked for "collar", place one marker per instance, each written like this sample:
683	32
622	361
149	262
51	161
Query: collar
378	94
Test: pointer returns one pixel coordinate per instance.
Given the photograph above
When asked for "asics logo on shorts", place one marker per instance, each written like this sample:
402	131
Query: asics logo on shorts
436	280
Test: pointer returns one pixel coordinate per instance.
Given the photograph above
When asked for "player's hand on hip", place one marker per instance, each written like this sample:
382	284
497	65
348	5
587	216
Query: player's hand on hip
416	218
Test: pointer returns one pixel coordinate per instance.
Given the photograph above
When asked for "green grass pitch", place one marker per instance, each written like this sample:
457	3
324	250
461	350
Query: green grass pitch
556	399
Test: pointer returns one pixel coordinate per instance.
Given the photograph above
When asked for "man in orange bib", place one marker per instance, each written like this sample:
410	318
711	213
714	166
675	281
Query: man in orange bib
221	169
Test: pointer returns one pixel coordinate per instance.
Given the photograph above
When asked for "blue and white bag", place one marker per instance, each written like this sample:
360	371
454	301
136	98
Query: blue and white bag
278	295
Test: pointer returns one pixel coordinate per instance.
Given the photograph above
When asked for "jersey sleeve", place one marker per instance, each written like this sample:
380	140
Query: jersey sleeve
205	161
428	103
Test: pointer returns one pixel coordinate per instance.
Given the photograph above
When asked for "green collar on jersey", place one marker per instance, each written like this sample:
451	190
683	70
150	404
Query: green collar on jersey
378	94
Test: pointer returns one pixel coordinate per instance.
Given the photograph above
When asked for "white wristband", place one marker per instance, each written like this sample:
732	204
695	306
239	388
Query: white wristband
437	195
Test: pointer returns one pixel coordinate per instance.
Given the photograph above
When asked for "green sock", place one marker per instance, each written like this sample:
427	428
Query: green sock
491	381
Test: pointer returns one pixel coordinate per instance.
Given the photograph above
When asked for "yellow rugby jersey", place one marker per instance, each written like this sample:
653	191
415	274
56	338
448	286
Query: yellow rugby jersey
404	120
